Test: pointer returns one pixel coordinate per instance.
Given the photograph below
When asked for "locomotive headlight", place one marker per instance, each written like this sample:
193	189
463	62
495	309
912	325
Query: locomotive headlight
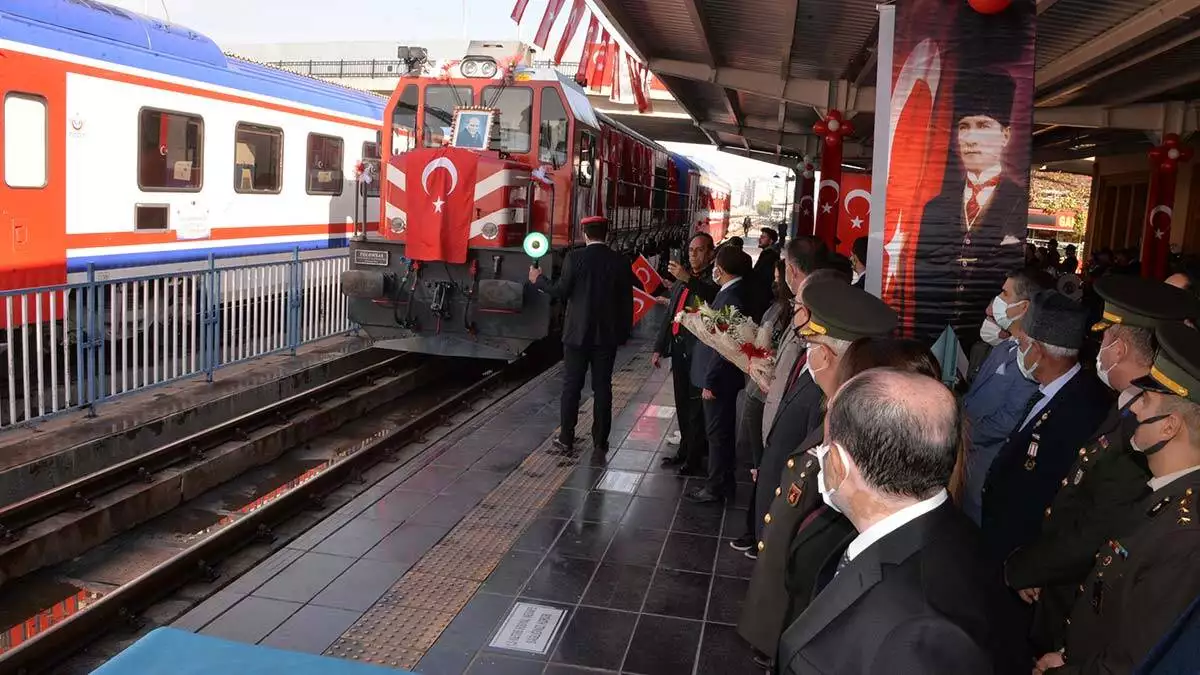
488	69
490	231
398	225
470	68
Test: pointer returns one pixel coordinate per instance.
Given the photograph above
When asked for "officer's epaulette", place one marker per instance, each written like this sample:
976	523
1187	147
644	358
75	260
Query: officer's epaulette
1185	506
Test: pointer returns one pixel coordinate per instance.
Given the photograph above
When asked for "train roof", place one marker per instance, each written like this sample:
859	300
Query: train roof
95	30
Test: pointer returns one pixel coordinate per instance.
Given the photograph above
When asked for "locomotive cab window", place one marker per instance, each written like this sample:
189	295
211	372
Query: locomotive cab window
370	157
26	141
324	165
170	151
257	159
554	130
515	106
440	102
586	162
404	121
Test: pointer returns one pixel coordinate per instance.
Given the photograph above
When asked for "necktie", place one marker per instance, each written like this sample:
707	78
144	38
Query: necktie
842	563
1033	400
797	369
973	206
679	308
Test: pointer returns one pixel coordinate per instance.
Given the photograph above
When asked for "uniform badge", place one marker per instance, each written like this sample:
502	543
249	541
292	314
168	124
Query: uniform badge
1078	477
1103	440
1118	549
1157	508
1031	454
793	496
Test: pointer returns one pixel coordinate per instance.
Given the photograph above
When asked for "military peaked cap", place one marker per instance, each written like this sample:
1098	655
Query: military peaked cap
1176	368
1143	303
844	312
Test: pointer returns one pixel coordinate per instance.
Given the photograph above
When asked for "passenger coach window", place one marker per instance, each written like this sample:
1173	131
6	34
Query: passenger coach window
516	115
404	121
25	141
170	151
554	130
324	165
587	160
257	159
440	102
370	157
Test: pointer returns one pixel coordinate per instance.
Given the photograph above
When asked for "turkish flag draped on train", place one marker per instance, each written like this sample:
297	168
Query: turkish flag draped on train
440	200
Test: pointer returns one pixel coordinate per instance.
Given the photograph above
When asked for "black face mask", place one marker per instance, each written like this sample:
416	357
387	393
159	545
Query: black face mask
1149	450
1129	422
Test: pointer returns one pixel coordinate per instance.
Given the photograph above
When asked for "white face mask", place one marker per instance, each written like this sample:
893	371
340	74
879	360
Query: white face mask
1125	398
1027	371
826	491
1000	312
989	332
716	276
1101	371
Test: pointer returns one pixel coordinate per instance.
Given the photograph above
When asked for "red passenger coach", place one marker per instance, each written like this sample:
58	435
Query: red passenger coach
490	164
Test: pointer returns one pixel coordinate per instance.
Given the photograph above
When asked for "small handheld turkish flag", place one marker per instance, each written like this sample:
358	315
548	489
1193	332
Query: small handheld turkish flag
643	302
646	274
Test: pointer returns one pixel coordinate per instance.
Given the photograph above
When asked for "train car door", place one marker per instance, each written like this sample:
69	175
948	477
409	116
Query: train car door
32	173
585	177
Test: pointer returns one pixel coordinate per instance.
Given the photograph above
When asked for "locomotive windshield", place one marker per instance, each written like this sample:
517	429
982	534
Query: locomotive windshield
440	102
404	120
515	105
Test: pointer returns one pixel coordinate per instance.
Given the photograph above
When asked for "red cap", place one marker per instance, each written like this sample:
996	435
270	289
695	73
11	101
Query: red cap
593	219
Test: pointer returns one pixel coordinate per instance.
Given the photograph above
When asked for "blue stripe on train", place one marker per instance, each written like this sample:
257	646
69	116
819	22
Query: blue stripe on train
123	260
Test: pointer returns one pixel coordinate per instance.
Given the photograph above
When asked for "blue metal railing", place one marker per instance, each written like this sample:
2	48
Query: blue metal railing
76	345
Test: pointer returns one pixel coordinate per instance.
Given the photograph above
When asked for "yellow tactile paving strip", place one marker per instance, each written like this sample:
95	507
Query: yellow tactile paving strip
407	620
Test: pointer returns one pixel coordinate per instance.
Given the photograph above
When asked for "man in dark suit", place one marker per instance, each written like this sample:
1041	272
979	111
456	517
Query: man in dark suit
914	591
1058	420
694	286
768	255
838	314
858	259
1145	575
972	233
1107	479
596	283
720	381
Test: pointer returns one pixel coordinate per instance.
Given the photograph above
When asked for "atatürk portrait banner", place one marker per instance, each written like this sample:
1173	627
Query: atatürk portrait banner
958	179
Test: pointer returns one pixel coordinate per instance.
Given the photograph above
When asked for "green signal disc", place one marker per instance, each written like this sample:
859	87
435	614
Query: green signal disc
536	245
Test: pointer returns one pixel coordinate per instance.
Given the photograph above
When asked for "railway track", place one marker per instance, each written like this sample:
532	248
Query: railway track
200	560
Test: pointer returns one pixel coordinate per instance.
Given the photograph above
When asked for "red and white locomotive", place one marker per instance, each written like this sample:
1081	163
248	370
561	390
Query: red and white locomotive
489	162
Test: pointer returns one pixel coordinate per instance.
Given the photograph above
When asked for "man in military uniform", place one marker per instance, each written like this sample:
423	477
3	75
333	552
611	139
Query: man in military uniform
838	314
1107	479
1145	575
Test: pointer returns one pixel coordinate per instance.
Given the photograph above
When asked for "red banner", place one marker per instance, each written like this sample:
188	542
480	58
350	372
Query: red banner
643	302
854	218
587	58
598	68
441	197
1160	205
548	19
573	21
519	10
957	199
646	274
637	82
614	65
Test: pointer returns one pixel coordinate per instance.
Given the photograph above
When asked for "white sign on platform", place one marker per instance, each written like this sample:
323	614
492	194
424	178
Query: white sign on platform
662	412
619	481
529	628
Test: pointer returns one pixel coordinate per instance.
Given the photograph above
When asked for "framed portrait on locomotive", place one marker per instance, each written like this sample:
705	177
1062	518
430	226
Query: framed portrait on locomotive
958	176
472	128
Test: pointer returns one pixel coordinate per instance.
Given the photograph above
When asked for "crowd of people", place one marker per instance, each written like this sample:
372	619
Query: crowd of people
1037	517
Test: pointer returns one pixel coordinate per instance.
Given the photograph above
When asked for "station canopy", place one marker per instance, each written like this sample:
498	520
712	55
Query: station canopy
1111	75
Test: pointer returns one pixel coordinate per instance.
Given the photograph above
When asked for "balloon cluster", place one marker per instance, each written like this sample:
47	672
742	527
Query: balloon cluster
1167	156
834	128
807	168
989	6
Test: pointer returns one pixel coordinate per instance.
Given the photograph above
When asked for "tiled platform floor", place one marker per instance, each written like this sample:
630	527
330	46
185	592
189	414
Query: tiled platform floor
647	580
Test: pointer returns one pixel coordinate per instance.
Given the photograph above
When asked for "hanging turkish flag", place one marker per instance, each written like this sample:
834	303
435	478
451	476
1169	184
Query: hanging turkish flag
598	68
637	84
519	10
548	19
589	47
615	52
440	204
573	21
643	302
854	218
645	273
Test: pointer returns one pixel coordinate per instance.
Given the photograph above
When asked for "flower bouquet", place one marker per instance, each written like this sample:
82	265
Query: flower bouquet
735	337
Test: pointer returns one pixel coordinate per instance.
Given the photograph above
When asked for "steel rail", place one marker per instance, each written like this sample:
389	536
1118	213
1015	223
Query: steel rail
124	603
80	493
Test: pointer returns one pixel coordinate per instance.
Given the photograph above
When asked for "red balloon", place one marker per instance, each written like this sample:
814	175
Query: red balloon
1169	166
820	127
989	6
1171	140
834	115
1185	154
1156	154
848	128
832	139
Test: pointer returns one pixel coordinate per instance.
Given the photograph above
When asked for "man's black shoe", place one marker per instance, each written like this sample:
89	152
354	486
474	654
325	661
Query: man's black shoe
558	447
743	543
689	472
668	462
704	496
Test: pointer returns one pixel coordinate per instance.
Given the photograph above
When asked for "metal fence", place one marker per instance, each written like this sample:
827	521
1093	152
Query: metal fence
377	68
75	345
